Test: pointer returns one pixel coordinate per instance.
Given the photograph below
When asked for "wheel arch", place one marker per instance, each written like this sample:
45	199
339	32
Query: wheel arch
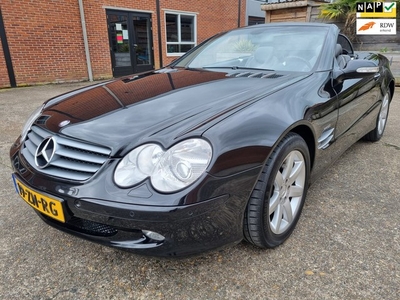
391	89
307	134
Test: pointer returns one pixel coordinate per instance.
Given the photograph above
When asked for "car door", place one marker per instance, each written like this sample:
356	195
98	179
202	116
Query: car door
356	98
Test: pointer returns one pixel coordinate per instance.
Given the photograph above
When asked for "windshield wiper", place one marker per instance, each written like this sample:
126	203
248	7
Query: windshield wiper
237	68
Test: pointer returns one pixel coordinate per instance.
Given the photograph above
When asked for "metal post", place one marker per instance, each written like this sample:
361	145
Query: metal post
159	33
85	40
239	11
7	54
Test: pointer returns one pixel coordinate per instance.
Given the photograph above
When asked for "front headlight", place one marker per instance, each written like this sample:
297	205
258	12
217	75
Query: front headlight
32	118
169	170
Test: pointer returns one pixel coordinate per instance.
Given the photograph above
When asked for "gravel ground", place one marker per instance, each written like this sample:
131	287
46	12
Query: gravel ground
346	244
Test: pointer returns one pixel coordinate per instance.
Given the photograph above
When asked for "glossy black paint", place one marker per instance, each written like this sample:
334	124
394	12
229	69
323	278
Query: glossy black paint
243	119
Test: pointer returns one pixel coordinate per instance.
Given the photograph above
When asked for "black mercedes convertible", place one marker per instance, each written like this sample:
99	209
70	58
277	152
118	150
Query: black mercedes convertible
217	147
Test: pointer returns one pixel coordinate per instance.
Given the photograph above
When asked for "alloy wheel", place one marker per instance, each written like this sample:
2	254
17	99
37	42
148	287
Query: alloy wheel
383	114
287	192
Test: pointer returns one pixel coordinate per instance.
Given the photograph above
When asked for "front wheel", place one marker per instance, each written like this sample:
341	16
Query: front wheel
277	200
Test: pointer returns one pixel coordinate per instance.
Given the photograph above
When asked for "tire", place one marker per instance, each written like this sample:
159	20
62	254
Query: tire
276	202
376	134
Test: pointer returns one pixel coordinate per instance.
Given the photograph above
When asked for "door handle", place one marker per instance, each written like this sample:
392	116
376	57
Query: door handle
377	75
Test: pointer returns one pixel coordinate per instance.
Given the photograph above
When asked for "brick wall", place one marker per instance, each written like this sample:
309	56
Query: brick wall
213	16
46	41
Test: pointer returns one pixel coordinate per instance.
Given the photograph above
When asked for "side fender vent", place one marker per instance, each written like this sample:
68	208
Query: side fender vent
325	138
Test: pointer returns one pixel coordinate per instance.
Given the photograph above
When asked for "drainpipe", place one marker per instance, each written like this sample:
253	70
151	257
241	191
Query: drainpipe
159	33
239	9
85	40
6	51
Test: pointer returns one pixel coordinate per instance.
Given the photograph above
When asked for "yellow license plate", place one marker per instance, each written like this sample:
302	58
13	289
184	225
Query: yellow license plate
46	205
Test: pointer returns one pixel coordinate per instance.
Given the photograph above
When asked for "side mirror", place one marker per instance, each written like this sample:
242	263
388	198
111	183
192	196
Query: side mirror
357	69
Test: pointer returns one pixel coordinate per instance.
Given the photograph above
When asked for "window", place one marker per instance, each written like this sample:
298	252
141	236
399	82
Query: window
346	45
255	20
181	32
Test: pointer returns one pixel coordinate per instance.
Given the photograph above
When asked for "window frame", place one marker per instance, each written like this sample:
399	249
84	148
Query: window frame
179	14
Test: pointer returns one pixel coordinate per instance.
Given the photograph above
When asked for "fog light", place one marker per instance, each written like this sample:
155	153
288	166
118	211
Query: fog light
153	235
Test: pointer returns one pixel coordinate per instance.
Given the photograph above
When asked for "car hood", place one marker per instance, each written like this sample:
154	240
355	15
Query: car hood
162	106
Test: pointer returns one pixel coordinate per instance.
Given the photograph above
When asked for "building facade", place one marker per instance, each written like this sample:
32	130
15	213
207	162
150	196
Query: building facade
254	14
50	41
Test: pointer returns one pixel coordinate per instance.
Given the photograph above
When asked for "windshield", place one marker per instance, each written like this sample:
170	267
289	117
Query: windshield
286	48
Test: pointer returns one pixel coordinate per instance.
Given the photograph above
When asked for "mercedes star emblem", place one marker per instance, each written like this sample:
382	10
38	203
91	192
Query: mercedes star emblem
64	123
45	152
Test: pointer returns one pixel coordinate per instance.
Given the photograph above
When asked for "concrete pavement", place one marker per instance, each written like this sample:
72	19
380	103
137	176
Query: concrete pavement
346	245
394	57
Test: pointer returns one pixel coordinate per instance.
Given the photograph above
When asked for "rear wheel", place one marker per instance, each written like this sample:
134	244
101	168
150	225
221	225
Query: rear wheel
376	134
278	198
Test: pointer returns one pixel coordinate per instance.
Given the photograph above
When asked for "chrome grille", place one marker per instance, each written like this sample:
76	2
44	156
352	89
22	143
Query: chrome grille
72	159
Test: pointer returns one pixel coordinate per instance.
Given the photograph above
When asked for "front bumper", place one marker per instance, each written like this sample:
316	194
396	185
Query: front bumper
202	217
96	213
187	229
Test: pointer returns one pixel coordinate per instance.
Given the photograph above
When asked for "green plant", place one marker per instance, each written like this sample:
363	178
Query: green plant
342	9
244	46
124	48
346	10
